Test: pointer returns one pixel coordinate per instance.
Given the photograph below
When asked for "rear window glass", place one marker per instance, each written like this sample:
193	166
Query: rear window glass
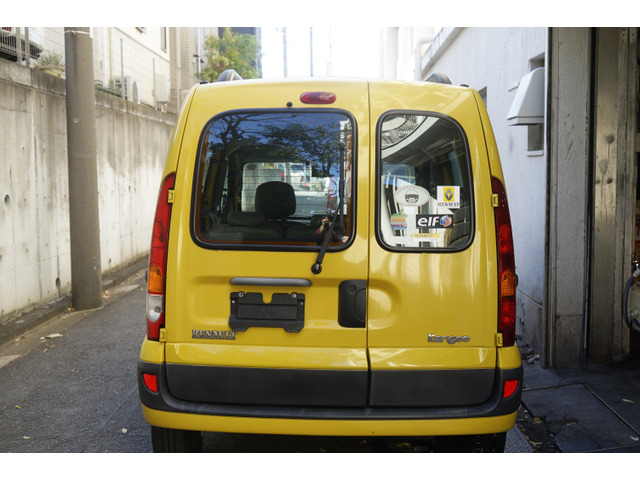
424	184
275	178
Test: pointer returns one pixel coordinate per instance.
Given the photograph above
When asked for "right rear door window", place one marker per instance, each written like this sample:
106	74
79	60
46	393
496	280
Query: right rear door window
425	194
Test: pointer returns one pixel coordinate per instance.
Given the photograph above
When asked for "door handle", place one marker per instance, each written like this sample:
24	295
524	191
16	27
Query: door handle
271	282
352	304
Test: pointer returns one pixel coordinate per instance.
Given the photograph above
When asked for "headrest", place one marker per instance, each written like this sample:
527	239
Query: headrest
276	200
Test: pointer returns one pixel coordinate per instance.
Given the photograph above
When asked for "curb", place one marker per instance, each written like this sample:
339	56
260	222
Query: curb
41	314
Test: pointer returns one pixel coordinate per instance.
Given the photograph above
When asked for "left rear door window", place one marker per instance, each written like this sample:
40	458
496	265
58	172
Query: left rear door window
274	178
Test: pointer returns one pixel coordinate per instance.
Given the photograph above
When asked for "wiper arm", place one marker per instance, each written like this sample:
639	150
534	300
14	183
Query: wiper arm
317	267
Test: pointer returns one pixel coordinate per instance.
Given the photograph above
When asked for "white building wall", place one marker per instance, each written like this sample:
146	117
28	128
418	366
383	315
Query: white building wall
492	61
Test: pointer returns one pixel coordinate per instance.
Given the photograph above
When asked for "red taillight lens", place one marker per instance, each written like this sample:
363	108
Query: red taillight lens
158	237
156	280
510	387
505	239
322	98
150	381
507	279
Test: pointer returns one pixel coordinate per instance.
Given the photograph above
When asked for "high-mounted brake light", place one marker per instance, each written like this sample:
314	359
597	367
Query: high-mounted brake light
156	276
318	97
507	279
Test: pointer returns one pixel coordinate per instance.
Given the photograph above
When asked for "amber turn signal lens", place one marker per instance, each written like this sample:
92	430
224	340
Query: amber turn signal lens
508	283
155	282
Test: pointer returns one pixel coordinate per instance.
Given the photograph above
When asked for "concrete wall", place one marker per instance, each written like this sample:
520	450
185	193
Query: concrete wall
132	141
493	60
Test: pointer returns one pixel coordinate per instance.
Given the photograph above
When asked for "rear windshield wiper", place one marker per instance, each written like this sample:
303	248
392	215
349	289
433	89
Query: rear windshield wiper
317	267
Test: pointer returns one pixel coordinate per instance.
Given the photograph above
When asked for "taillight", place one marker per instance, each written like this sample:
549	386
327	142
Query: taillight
150	381
156	276
510	387
506	267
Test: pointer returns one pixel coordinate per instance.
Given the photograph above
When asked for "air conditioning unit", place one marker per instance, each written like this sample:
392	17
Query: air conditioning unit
162	88
130	89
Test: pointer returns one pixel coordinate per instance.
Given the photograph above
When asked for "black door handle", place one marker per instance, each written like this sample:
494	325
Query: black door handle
352	304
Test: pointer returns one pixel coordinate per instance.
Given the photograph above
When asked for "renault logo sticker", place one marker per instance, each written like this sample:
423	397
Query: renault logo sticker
449	196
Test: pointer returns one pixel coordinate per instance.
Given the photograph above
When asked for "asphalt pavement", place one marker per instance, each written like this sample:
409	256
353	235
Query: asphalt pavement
575	410
69	385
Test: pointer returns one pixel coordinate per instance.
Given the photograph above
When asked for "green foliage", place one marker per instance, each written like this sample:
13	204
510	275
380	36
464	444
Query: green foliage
318	146
51	59
232	50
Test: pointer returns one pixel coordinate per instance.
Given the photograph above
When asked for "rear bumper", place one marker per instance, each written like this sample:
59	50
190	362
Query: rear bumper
495	414
330	427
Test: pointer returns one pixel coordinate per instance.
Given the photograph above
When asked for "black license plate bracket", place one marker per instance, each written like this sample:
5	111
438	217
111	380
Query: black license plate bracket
248	309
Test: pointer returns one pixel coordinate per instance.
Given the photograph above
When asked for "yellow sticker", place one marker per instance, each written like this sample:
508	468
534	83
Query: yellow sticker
449	196
428	236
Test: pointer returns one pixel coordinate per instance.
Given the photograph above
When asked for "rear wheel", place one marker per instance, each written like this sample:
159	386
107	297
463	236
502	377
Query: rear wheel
491	443
168	440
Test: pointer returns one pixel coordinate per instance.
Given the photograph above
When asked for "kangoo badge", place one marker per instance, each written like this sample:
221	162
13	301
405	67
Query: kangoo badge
412	196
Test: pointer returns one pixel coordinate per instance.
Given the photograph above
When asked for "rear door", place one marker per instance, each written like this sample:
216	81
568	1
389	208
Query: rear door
432	283
261	176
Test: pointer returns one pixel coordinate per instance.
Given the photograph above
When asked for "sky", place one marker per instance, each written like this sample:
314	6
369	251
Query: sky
337	51
349	14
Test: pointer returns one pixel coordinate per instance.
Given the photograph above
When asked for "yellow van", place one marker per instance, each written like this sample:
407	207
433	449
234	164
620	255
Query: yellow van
331	257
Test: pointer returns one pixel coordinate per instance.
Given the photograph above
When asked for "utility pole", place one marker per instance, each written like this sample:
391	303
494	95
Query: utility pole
284	49
330	63
86	272
311	51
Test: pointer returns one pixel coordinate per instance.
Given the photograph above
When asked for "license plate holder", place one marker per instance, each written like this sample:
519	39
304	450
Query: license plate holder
248	309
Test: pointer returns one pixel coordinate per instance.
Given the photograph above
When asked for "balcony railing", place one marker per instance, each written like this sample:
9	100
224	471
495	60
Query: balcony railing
122	65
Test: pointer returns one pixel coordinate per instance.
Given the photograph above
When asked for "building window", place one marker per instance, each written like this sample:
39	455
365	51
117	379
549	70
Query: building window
535	133
163	38
535	138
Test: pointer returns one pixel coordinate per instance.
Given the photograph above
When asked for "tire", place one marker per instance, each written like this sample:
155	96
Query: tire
490	443
168	440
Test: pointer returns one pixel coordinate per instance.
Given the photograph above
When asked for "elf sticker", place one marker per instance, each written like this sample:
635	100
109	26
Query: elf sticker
449	197
434	221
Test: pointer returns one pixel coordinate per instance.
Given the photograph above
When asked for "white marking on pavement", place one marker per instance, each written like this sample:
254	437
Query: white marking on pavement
8	359
124	289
